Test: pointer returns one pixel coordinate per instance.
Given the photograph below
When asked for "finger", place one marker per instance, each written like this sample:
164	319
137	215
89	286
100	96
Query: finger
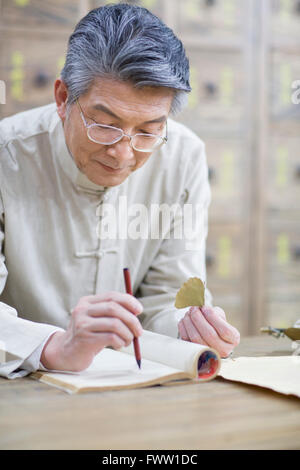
193	333
114	326
113	309
209	334
182	331
128	301
220	312
226	331
111	339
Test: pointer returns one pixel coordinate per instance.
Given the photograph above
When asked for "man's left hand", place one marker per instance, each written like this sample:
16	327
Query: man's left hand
208	326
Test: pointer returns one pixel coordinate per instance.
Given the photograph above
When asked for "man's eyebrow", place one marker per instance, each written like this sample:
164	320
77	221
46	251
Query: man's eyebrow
101	107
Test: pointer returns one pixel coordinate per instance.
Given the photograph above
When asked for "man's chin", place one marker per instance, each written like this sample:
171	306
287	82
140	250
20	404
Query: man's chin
110	179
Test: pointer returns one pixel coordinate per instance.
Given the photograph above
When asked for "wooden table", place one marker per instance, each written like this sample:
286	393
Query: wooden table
214	415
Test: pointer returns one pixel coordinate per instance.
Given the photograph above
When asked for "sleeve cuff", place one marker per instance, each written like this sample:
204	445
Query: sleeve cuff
33	362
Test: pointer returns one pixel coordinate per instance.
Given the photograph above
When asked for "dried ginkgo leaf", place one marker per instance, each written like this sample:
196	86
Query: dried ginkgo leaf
190	294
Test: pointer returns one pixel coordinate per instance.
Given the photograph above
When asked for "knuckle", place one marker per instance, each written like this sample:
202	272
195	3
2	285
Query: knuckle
112	338
78	310
115	324
194	314
226	333
111	307
219	311
110	295
80	324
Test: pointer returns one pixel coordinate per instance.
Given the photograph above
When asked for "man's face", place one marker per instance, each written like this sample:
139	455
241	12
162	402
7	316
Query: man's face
120	105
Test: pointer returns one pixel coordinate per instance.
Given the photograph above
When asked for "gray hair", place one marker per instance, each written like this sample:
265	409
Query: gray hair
127	43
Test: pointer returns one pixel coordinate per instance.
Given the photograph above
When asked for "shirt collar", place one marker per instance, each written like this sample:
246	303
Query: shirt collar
66	160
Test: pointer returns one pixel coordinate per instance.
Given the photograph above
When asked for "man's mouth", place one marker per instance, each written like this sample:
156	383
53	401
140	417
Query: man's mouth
112	170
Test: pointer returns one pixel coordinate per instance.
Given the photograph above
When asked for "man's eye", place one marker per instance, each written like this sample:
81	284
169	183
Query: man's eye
156	132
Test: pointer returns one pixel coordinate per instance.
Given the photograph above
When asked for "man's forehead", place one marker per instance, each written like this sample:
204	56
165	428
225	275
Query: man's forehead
112	97
107	110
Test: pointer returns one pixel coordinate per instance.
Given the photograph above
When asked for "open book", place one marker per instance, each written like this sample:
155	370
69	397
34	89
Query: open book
164	359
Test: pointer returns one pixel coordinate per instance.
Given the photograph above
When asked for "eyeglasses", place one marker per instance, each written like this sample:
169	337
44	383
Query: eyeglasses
108	135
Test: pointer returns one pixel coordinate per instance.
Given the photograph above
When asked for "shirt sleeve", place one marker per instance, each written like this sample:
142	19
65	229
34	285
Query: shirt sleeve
21	341
182	253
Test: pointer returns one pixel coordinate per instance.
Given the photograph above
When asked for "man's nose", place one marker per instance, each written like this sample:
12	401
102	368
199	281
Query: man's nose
122	149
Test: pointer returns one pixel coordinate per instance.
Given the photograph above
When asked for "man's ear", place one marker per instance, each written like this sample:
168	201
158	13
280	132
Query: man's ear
61	96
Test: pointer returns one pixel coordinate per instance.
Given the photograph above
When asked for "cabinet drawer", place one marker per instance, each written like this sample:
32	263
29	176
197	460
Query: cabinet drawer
283	171
197	19
226	254
283	255
284	70
285	21
30	66
51	14
227	169
217	95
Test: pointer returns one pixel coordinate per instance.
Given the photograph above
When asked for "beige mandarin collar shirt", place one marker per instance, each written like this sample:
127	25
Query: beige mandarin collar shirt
51	251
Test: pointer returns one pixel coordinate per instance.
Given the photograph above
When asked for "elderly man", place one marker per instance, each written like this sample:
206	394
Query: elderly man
107	137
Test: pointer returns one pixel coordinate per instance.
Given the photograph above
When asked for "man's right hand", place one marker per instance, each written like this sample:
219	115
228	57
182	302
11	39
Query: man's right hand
97	321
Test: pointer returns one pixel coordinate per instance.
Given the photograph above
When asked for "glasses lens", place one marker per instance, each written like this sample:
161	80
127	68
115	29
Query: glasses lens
146	142
104	135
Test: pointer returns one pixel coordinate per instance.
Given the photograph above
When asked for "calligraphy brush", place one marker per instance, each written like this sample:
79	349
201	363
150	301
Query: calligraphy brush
136	343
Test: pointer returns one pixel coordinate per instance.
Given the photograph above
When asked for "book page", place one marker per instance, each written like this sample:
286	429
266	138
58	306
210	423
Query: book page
279	373
111	370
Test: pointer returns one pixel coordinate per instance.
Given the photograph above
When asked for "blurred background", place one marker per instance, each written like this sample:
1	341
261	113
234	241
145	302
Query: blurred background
245	59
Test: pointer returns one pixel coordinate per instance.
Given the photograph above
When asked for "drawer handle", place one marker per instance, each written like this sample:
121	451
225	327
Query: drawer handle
297	171
210	88
296	252
210	259
41	79
211	173
210	3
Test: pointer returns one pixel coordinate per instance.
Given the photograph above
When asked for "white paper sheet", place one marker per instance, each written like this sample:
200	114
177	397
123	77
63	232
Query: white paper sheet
279	373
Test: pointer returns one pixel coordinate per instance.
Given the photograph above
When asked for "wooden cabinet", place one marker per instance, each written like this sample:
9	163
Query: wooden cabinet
33	43
228	179
38	14
211	19
283	177
244	56
282	293
217	83
31	63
